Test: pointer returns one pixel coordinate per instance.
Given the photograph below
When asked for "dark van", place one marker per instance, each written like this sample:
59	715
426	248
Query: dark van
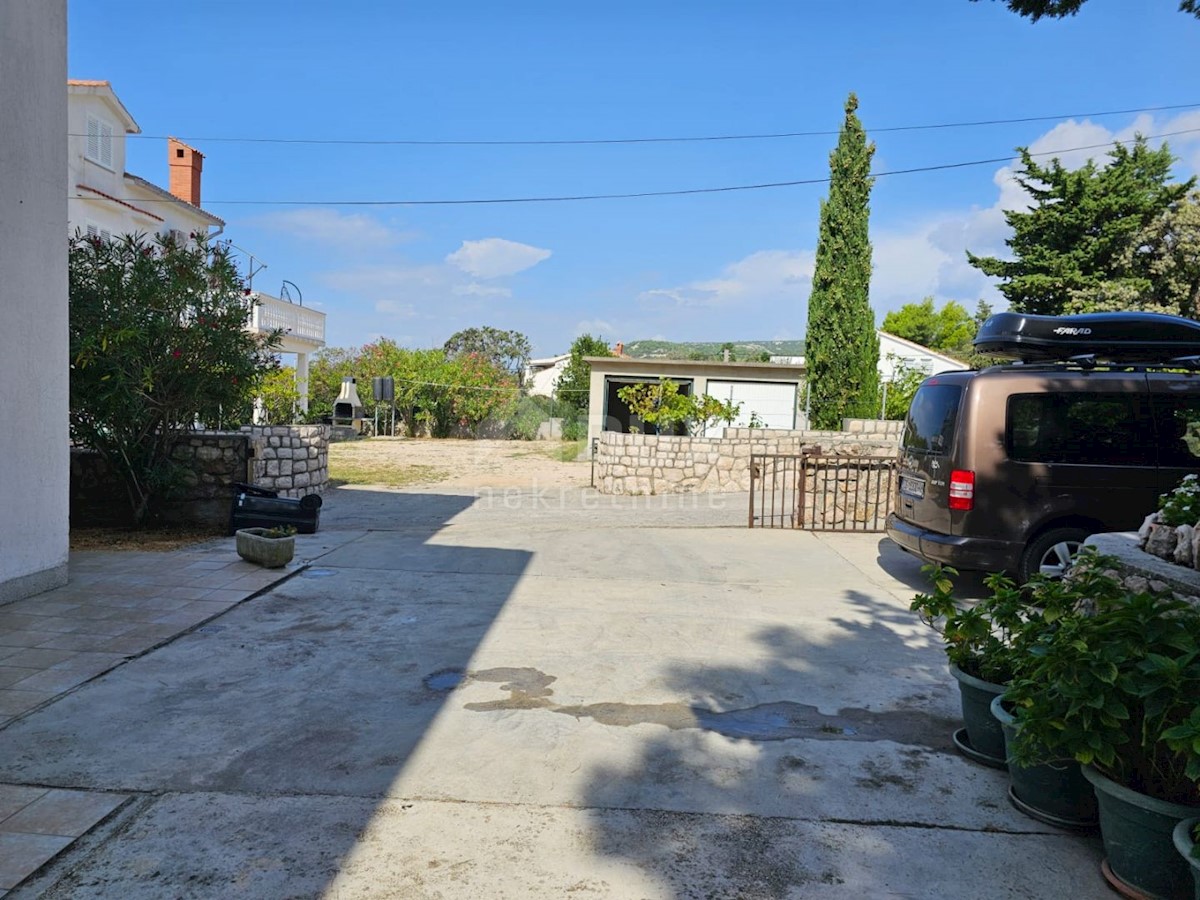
1010	467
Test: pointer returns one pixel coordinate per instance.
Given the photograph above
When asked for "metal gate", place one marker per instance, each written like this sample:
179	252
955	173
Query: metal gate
819	491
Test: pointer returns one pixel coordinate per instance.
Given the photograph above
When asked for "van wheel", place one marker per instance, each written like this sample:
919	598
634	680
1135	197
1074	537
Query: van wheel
1051	553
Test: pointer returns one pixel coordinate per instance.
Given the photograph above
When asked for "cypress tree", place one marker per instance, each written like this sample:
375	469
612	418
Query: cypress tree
841	346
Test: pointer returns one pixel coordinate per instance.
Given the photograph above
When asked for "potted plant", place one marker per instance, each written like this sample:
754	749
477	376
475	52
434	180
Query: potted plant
1118	690
1187	842
269	547
984	643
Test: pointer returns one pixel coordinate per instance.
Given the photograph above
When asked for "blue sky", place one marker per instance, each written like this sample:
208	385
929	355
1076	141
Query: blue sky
728	266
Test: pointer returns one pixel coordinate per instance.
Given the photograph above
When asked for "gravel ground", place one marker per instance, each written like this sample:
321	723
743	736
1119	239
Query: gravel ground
462	464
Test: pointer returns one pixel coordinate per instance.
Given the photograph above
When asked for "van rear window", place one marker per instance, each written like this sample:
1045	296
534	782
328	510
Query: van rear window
932	416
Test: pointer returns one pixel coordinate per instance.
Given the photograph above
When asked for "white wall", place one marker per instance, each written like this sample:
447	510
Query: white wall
34	443
896	354
544	381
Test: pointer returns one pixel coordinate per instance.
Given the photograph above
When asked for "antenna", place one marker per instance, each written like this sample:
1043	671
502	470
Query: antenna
251	271
285	294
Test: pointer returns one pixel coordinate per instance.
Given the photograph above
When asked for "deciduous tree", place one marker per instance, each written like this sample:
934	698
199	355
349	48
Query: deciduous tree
575	381
507	350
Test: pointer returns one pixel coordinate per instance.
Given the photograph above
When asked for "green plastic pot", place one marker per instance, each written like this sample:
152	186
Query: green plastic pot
984	740
1053	792
1186	845
1139	846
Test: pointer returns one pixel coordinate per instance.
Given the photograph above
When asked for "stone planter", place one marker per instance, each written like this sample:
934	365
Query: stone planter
254	546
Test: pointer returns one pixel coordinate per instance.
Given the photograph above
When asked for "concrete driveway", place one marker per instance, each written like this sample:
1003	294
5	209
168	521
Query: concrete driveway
543	694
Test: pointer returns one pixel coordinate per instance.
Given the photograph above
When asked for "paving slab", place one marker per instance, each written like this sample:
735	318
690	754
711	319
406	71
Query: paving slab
509	698
423	849
36	824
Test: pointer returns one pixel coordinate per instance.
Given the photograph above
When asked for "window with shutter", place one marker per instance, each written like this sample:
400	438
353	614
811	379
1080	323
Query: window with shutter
100	141
106	144
93	139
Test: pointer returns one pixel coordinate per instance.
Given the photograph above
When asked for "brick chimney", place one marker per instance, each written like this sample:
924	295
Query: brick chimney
619	349
185	164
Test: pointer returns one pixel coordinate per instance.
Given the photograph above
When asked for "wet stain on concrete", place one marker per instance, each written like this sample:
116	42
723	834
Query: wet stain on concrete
879	776
780	721
528	688
444	680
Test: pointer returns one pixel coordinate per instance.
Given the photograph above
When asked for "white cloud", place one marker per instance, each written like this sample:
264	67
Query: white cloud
496	257
328	226
763	276
475	289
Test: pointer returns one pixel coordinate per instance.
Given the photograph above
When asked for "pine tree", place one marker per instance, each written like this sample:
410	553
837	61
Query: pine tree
1081	245
841	346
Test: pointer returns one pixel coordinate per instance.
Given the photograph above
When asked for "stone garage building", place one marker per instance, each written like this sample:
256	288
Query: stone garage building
772	391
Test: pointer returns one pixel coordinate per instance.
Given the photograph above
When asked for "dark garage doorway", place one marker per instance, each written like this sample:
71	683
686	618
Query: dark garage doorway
617	415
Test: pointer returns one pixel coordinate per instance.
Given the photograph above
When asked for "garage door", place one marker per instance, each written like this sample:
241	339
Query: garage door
774	403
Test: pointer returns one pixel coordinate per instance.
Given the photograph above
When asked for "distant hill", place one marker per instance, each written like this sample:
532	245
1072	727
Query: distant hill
743	351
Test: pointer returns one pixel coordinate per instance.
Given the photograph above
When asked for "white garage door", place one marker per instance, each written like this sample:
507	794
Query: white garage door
774	403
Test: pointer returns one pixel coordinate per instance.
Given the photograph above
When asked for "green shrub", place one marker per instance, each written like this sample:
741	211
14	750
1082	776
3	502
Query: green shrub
527	418
1182	505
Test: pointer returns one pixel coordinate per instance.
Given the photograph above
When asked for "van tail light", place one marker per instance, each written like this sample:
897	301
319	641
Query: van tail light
962	489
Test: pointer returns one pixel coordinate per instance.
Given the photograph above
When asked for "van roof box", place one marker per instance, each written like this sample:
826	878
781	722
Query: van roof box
1111	336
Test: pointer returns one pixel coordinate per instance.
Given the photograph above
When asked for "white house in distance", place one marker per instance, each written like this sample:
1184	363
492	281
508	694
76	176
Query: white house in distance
541	375
107	201
897	355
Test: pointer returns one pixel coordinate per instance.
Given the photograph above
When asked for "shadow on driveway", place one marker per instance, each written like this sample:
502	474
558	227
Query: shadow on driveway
320	689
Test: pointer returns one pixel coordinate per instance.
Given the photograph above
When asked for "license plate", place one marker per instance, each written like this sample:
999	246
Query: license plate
912	487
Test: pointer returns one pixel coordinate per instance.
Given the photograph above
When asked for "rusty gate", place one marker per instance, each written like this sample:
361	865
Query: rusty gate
820	491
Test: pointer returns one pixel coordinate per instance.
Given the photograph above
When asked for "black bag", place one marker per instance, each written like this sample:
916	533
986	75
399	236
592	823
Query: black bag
256	507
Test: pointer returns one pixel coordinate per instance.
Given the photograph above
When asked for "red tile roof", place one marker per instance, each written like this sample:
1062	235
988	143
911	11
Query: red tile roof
84	187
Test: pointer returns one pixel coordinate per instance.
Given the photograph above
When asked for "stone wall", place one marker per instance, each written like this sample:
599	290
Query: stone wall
861	430
890	427
211	461
653	464
291	459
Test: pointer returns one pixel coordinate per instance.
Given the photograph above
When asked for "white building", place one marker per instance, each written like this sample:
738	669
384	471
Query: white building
897	355
107	201
34	442
541	375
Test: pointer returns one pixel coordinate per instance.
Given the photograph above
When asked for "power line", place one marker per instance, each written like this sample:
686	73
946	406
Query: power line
675	193
647	140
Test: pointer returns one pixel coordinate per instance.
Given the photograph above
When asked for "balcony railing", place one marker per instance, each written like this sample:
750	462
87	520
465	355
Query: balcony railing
297	322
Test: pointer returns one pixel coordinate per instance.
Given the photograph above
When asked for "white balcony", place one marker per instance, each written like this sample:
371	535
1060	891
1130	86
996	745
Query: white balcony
303	328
